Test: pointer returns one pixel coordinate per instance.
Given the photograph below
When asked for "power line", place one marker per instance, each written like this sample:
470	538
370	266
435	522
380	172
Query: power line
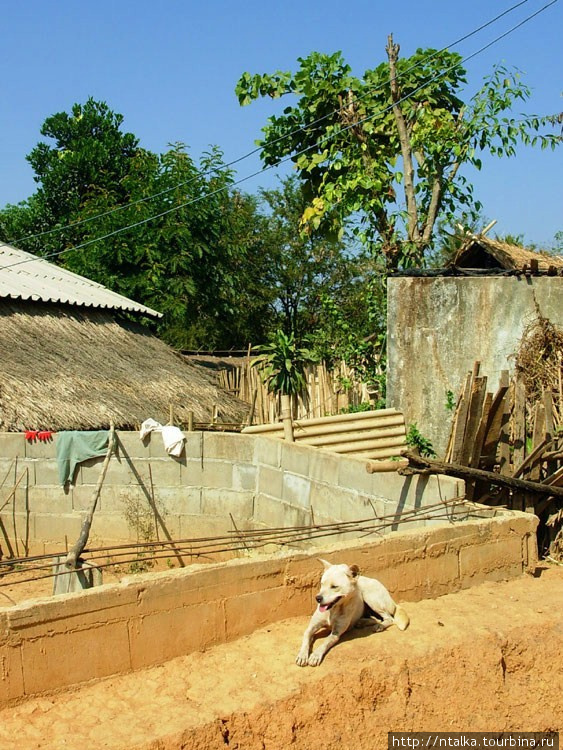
292	157
277	140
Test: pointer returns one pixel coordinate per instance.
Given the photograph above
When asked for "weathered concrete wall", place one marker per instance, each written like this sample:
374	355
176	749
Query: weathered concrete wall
259	481
437	329
150	619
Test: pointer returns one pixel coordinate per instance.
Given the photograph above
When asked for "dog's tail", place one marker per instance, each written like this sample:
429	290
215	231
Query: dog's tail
401	618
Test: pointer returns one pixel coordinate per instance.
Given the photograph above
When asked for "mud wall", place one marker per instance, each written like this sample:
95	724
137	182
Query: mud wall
438	327
258	481
147	620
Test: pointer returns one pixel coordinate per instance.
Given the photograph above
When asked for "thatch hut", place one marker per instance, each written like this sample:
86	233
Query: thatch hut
481	252
73	357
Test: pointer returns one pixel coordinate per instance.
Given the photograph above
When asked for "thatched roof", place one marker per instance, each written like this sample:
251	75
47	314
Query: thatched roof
71	368
479	251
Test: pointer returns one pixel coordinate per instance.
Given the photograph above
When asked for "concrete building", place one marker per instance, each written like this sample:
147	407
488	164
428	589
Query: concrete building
441	322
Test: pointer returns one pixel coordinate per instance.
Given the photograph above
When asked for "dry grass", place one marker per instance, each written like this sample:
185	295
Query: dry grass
69	369
539	362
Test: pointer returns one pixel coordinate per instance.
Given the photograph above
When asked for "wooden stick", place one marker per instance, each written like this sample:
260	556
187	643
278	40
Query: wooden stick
374	467
469	473
76	551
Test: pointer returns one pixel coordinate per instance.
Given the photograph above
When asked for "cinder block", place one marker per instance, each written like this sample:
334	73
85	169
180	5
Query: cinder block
353	475
46	472
295	458
7	471
20	497
12	445
227	502
40	449
112	527
232	447
267	451
421	577
356	507
25	525
324	467
166	472
192	473
91	608
325	499
270	481
55	527
217	474
244	477
158	637
272	512
296	490
81	498
50	500
130	445
155	444
194	527
75	656
179	501
193	447
118	472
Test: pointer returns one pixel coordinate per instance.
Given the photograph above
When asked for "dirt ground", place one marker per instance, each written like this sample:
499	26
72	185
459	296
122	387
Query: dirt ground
485	659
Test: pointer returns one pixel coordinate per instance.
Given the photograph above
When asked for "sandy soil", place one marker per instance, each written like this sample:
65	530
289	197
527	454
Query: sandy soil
485	659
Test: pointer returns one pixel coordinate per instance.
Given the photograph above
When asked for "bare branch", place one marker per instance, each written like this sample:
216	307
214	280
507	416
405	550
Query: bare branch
404	140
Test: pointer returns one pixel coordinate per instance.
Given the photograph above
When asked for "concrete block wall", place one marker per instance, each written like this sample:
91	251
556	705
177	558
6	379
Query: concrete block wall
149	619
257	481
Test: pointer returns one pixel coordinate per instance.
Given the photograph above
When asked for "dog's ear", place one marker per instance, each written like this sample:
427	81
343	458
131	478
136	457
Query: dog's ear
325	563
355	571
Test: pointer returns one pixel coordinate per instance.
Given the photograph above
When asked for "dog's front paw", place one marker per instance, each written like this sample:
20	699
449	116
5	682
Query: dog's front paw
302	659
315	659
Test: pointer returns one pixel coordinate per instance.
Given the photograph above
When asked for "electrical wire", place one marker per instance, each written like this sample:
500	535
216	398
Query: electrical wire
275	141
292	157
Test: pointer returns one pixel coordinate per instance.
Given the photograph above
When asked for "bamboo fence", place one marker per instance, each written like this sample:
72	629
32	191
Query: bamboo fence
329	391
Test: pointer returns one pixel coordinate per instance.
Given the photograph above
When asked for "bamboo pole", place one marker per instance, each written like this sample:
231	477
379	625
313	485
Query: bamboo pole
334	419
75	552
286	418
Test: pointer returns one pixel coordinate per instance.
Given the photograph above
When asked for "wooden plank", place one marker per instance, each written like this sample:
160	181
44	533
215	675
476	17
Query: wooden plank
480	436
460	423
538	438
519	420
497	413
478	392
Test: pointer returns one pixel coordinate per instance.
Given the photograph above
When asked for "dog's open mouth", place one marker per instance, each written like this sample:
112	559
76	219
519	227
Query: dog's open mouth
330	605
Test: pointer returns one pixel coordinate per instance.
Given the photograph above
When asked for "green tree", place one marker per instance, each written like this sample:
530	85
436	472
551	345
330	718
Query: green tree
389	147
300	268
191	241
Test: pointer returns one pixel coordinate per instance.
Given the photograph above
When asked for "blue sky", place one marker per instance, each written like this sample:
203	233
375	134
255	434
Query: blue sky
171	67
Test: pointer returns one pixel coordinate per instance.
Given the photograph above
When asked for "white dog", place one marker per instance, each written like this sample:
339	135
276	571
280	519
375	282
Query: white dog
344	599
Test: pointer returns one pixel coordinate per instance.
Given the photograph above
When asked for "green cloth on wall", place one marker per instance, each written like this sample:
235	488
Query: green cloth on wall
76	446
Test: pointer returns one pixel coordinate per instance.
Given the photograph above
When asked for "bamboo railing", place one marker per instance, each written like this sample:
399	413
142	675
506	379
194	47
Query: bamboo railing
329	391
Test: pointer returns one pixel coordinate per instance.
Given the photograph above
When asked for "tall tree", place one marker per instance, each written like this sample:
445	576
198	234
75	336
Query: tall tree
300	268
190	240
389	148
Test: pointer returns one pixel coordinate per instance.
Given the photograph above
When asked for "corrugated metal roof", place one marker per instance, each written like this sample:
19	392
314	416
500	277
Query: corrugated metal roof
25	276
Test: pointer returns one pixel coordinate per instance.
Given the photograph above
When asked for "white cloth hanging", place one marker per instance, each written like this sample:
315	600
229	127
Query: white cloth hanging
172	437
